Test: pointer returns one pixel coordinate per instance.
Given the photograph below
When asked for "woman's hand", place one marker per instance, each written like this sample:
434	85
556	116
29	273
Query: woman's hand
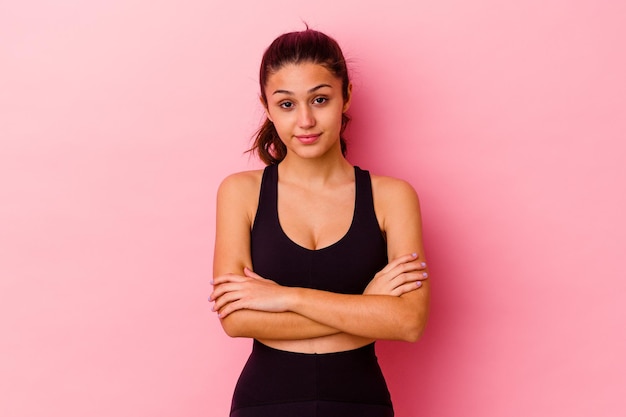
402	275
233	292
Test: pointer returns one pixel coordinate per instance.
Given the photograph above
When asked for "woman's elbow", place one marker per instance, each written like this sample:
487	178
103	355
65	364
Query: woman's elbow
413	328
413	333
232	327
415	316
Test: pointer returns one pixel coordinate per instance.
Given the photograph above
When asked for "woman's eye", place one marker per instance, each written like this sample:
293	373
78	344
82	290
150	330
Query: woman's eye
286	105
320	100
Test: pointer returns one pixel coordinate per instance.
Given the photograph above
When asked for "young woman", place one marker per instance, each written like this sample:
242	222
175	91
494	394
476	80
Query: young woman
315	259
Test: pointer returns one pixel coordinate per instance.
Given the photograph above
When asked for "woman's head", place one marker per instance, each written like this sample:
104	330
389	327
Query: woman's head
308	46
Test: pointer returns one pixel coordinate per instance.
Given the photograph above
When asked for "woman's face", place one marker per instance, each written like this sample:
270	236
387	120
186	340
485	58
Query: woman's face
305	103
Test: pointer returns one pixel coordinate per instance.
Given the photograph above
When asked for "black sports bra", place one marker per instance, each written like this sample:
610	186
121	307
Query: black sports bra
346	266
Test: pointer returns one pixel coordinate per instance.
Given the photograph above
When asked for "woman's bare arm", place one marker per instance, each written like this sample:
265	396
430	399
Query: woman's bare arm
236	207
373	316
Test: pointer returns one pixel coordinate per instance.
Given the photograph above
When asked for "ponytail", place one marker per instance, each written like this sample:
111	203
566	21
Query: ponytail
267	144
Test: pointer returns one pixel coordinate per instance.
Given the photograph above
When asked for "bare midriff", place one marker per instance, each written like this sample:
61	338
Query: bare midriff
326	344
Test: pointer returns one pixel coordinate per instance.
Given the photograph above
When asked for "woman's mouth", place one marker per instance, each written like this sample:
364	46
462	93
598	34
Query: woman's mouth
308	139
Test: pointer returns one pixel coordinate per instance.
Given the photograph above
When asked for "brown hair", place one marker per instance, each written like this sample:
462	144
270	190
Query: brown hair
293	48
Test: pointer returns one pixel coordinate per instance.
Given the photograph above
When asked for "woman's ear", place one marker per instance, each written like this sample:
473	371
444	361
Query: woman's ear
267	112
348	100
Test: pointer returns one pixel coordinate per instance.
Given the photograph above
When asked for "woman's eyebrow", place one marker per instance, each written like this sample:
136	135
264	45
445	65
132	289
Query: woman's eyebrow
312	90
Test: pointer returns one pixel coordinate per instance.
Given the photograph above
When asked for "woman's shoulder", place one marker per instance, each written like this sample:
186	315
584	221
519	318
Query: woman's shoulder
243	179
241	184
390	188
394	199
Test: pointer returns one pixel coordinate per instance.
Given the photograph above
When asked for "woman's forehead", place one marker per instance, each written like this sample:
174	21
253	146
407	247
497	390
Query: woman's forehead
301	78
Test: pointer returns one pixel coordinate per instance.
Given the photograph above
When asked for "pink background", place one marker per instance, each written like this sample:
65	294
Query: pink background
118	119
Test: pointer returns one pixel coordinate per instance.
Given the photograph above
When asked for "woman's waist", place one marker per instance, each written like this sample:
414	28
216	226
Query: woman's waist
274	376
340	342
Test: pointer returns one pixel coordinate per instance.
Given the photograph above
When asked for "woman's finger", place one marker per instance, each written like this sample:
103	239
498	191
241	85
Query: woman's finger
225	299
408	267
407	287
221	279
251	274
409	277
399	261
229	308
221	289
218	291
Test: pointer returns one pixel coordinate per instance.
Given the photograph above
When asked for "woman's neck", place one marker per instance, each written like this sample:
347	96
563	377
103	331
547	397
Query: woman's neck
316	171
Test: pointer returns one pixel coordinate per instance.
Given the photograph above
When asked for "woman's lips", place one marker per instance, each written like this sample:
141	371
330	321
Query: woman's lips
308	139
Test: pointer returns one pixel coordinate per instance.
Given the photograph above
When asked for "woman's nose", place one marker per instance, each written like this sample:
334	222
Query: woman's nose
305	117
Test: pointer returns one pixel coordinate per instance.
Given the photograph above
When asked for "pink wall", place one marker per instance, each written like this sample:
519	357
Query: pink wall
118	119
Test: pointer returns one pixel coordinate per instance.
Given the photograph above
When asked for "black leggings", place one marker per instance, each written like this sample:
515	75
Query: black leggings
277	383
